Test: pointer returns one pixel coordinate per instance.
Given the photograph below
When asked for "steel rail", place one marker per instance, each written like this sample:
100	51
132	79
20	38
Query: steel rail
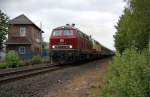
20	74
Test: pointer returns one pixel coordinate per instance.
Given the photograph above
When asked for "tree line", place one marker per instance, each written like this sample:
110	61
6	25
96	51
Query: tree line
133	27
129	73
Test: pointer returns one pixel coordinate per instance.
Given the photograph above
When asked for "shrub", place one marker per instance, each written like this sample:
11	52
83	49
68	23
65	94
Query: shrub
12	59
26	62
46	59
36	60
3	65
128	75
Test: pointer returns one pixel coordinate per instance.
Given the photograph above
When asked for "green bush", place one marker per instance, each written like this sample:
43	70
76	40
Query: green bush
128	75
3	65
36	60
26	62
12	59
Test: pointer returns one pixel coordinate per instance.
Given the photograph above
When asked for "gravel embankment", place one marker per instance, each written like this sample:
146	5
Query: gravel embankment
73	81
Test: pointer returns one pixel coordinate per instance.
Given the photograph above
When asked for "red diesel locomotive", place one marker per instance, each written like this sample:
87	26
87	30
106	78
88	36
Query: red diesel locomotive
69	44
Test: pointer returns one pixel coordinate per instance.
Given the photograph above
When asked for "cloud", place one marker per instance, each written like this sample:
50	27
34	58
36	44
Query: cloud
96	17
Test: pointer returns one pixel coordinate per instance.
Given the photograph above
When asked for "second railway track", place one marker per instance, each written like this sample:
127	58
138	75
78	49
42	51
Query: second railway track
6	77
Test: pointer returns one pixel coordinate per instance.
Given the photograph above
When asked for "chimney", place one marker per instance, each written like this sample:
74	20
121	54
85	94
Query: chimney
73	25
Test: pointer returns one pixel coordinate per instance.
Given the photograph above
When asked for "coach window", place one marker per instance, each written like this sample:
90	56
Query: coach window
68	32
57	33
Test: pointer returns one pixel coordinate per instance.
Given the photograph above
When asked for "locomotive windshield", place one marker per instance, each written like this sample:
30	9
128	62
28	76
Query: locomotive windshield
57	33
63	32
68	32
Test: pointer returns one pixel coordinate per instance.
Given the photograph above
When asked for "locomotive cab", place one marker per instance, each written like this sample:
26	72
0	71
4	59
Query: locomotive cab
63	39
63	44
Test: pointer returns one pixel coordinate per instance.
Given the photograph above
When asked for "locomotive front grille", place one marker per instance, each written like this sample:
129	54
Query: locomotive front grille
62	46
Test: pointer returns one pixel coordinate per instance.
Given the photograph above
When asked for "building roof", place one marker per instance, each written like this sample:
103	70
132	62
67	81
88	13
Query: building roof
22	19
18	40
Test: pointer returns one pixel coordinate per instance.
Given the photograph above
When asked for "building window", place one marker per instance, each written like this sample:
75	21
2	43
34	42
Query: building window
22	50
22	31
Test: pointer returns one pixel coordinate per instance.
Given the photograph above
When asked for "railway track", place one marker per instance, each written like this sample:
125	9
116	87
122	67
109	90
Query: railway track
6	77
17	74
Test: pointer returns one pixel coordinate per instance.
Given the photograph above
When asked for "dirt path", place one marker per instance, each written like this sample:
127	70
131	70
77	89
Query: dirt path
81	85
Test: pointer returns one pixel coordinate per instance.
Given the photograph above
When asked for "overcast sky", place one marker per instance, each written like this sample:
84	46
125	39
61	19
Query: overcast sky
93	17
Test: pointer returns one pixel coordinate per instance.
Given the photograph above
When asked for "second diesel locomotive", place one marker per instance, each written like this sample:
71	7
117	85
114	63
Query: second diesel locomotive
69	44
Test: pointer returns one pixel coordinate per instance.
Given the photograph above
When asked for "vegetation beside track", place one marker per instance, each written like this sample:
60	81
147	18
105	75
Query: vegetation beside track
129	73
12	61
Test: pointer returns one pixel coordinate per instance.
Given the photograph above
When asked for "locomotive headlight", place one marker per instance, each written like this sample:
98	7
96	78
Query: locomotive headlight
53	46
70	46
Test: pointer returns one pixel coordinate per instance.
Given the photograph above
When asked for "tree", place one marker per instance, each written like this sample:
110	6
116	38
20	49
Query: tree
121	37
3	28
133	27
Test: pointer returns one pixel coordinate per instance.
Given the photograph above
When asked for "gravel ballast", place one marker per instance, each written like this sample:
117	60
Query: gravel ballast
73	81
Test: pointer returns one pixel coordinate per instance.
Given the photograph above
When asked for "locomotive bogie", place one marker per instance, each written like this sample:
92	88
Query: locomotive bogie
64	56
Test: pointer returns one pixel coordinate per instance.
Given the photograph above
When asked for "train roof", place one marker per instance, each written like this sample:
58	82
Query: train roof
67	26
72	27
